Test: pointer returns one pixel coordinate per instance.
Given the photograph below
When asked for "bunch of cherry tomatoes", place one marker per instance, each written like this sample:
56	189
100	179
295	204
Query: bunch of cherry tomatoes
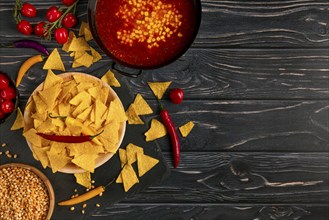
59	19
7	96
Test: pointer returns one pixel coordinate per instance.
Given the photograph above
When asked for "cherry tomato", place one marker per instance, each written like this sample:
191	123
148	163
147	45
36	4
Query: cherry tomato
2	114
28	10
53	14
176	95
7	106
1	100
68	2
4	81
24	27
69	20
61	35
8	93
39	29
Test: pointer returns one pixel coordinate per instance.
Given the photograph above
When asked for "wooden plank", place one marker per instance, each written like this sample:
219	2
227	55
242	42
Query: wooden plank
212	211
219	177
250	125
297	23
220	74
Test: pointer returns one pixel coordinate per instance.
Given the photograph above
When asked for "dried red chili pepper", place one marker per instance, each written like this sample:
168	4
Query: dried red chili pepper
173	135
68	139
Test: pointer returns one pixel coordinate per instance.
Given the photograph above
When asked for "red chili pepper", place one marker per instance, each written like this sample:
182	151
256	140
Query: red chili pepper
173	135
68	139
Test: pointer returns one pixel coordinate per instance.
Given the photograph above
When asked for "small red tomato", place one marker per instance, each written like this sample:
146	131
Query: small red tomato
24	27
176	95
8	93
7	106
69	20
28	10
53	14
4	81
2	114
61	35
1	100
68	2
39	29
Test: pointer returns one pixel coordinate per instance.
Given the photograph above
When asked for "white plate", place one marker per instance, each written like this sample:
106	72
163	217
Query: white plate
103	158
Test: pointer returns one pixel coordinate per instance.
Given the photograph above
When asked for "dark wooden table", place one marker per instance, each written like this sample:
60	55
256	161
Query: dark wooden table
256	83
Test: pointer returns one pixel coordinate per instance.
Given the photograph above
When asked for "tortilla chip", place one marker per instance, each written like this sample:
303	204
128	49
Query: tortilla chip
85	60
78	78
110	79
186	129
96	55
159	88
129	177
46	126
66	46
84	179
19	121
116	112
40	153
123	156
75	64
100	109
104	94
145	163
32	137
57	148
88	35
157	130
54	61
57	161
86	148
82	28
83	116
64	109
84	86
133	118
58	123
80	108
81	97
79	44
37	123
86	161
95	93
141	106
50	95
119	179
132	151
51	80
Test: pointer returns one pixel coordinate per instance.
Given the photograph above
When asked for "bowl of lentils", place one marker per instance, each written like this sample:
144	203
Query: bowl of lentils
26	193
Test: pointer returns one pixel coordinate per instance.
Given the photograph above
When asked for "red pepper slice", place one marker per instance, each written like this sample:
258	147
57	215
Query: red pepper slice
173	135
69	139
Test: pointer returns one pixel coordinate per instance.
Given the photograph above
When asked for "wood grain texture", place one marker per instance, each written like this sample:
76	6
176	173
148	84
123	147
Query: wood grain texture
256	84
217	73
289	23
253	125
212	211
219	177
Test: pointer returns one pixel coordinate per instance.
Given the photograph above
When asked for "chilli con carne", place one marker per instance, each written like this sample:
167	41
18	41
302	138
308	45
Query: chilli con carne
145	33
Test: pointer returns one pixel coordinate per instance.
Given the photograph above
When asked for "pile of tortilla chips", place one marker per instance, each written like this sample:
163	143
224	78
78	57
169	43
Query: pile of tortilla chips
78	48
86	103
137	108
132	154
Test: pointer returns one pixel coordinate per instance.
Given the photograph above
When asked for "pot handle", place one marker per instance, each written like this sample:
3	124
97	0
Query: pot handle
133	75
